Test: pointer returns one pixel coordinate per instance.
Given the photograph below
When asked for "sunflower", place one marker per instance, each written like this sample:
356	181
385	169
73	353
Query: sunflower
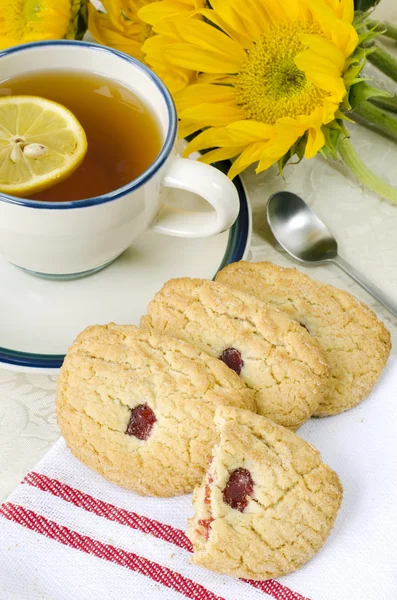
128	24
271	77
24	21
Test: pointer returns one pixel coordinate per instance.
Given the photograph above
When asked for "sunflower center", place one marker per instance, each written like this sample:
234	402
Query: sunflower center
270	85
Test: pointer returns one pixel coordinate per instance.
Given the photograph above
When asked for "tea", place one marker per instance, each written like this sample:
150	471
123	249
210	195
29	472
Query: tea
123	135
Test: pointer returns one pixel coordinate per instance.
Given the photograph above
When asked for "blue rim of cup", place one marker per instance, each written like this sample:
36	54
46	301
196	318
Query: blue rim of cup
167	147
239	235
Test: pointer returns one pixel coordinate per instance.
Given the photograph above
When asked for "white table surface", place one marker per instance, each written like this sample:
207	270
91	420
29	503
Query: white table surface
365	226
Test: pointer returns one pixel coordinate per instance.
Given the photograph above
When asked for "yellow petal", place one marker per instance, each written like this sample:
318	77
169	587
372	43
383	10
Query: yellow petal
113	11
328	82
343	9
245	132
220	154
241	36
103	31
247	157
329	110
287	10
190	57
334	5
266	162
322	65
325	49
315	141
216	78
128	8
287	132
347	10
154	46
342	34
206	37
313	125
152	13
319	71
154	50
7	41
249	23
237	134
166	26
175	78
211	137
187	128
212	114
203	93
156	11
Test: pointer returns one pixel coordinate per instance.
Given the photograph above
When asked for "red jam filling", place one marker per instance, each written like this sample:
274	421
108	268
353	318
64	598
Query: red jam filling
141	422
206	525
232	358
208	491
239	489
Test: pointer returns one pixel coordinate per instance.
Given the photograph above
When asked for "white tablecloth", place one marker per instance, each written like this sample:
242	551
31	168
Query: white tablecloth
366	228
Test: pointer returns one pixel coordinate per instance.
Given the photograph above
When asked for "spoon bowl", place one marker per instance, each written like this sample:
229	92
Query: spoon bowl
304	236
298	229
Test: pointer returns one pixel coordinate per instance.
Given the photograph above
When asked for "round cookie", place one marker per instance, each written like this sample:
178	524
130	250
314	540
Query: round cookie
267	503
356	343
138	407
273	354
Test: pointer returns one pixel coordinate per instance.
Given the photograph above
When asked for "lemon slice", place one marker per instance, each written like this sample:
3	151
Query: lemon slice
41	143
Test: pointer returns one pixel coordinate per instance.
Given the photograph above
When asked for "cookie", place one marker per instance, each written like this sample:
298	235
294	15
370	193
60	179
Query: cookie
356	343
138	407
273	354
267	503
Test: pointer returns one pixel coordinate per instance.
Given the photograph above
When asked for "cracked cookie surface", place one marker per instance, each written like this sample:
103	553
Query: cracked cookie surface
137	407
356	343
284	500
273	354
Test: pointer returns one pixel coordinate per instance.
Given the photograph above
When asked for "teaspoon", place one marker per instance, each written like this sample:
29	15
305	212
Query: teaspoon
304	236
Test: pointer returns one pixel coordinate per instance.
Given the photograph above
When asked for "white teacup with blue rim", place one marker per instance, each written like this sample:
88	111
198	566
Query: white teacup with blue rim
72	239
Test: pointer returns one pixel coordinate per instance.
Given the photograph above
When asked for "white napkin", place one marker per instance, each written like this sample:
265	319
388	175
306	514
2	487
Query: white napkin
67	534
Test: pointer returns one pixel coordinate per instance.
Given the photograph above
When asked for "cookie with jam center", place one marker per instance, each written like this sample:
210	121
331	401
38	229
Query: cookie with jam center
137	407
356	343
276	357
267	503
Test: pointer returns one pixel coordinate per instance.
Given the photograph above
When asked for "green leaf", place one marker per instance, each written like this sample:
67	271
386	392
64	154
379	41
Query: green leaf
331	135
362	91
78	21
365	5
298	150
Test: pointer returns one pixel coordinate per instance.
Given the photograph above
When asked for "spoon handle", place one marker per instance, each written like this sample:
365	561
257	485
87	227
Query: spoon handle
371	288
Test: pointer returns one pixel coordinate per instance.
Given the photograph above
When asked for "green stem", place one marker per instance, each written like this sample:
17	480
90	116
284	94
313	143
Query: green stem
384	61
382	120
389	104
363	174
389	30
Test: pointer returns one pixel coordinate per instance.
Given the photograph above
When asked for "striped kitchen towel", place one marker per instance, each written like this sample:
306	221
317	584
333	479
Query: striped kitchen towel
67	534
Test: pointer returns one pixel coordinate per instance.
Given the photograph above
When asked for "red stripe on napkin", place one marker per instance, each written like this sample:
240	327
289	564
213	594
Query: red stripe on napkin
73	539
275	589
130	519
109	511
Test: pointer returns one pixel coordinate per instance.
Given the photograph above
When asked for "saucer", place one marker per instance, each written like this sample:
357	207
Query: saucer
40	318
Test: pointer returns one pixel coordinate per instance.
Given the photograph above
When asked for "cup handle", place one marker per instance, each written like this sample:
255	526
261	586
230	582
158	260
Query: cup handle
207	182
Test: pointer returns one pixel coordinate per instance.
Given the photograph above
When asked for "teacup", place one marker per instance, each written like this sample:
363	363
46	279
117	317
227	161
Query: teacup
73	239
